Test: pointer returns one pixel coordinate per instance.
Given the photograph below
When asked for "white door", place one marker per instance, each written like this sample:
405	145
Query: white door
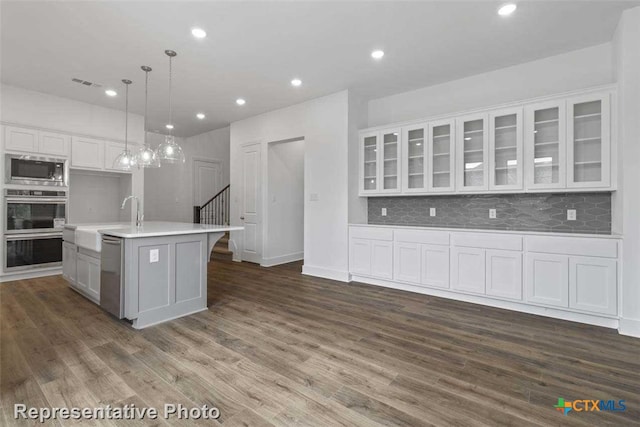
406	262
468	269
54	143
547	279
504	274
435	266
382	259
87	153
593	284
544	142
360	256
472	170
441	154
207	180
414	159
20	139
505	149
369	159
251	209
69	253
390	163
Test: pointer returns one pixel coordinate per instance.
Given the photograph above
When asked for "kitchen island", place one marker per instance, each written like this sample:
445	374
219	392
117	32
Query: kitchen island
147	274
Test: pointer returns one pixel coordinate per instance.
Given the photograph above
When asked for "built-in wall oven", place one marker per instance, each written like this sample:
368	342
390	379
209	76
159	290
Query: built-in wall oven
24	169
33	225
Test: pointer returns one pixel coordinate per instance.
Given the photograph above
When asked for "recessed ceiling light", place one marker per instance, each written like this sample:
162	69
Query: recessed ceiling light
200	116
377	54
507	9
169	126
199	33
240	101
110	92
296	82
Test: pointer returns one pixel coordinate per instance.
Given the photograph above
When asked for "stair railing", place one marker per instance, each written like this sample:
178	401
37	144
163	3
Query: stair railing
215	210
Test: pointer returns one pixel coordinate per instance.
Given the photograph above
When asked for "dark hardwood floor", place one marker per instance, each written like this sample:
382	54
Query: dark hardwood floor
279	348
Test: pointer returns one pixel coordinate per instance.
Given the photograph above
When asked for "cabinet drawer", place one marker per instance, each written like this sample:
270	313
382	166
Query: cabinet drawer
581	246
505	242
371	233
427	237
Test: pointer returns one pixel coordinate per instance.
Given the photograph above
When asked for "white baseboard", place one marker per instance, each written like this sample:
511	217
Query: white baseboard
607	322
283	259
30	274
629	327
326	273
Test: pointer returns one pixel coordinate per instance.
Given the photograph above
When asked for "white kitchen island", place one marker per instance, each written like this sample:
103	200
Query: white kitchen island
147	274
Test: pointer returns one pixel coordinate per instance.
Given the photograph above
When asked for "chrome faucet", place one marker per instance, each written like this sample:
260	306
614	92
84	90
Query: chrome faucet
139	215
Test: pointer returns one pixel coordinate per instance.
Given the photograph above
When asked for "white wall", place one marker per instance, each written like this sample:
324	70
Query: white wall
322	123
578	69
284	234
96	197
357	120
626	203
169	189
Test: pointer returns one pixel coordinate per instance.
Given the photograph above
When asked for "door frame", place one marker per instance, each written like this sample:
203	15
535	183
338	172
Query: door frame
220	164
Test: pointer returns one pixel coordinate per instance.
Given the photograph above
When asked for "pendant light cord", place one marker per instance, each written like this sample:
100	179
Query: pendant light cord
126	116
170	104
146	98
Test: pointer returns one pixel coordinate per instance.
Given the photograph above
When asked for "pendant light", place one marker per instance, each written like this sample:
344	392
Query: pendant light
146	157
169	151
125	160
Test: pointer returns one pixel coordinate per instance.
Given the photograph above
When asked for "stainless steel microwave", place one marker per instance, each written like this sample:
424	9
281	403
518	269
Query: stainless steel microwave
33	170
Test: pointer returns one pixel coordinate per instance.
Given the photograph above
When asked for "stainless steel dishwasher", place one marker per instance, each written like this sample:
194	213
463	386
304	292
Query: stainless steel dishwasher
111	276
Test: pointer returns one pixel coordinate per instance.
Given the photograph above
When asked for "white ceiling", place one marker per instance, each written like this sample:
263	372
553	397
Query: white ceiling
253	49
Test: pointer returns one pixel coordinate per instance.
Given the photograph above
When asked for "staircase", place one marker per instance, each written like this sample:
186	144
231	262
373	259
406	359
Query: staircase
216	211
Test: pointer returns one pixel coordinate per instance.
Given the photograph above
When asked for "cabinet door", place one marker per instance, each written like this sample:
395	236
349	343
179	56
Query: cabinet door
360	257
593	284
589	150
69	253
468	270
547	279
505	149
504	274
87	153
390	163
111	151
472	149
435	266
414	159
382	259
369	159
88	276
545	148
56	144
441	152
20	139
406	262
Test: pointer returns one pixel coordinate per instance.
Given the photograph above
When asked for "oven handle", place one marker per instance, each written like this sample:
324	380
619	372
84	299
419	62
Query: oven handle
36	200
32	236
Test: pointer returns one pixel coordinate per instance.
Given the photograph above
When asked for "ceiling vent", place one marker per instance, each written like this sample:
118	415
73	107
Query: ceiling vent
85	82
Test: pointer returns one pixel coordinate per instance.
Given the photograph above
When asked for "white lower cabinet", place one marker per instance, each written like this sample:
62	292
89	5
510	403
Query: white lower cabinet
504	274
69	259
407	262
382	259
592	284
547	278
88	275
435	266
468	269
360	256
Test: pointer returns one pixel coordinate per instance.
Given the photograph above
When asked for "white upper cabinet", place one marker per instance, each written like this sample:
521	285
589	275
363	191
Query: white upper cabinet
588	135
36	142
87	153
472	153
56	144
369	160
390	164
414	159
545	145
441	150
111	151
505	149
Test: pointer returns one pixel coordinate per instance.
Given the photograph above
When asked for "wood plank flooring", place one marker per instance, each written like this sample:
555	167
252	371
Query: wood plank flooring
277	348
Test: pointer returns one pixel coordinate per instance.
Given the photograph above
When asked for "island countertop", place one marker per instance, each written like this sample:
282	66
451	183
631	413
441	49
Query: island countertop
164	228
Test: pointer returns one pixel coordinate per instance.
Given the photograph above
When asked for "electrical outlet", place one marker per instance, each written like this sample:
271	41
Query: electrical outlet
492	213
313	197
571	214
384	211
432	211
154	255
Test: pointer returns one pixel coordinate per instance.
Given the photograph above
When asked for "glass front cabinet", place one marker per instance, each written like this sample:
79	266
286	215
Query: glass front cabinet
380	162
505	149
414	159
472	153
441	156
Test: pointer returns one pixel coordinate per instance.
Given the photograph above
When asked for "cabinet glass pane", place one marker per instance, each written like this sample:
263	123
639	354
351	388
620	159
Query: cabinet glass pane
441	155
473	153
506	150
415	152
587	141
390	161
370	162
546	146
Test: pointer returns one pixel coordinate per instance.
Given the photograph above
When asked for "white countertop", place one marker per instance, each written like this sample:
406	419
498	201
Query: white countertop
162	228
484	230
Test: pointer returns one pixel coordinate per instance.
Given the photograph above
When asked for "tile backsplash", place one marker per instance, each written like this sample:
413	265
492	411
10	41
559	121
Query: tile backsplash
522	212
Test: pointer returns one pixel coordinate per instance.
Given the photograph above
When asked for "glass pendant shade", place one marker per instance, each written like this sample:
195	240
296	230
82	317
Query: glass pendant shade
147	158
125	160
170	152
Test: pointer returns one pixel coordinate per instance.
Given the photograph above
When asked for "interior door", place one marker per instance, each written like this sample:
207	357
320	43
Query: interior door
207	180
251	212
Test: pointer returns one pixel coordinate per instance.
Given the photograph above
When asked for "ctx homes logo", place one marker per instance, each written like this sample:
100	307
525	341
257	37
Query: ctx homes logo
585	405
